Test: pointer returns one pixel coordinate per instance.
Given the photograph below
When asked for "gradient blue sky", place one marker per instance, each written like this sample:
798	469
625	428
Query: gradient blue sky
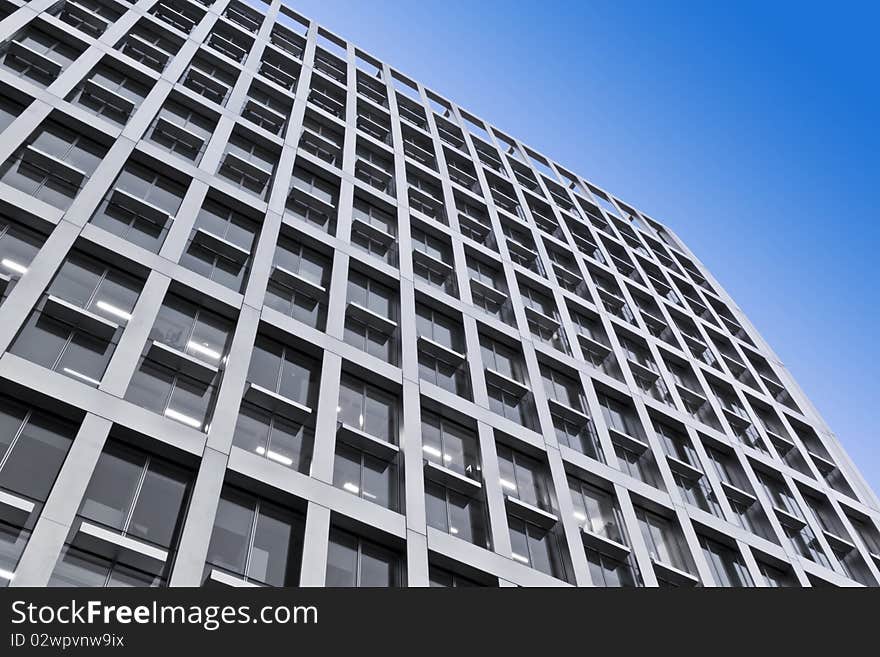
750	129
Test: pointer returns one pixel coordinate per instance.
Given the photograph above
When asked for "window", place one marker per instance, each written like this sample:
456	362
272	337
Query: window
374	231
562	389
431	260
312	199
33	446
137	495
266	109
298	284
777	577
441	578
249	163
18	246
524	478
374	167
182	129
608	572
367	408
220	245
111	91
150	45
278	405
54	164
10	109
320	139
450	445
356	562
441	352
256	541
501	359
726	564
619	416
180	369
367	476
274	436
210	78
76	325
665	544
140	206
245	16
229	42
370	322
454	513
284	371
39	55
536	547
78	568
488	290
180	15
510	405
596	510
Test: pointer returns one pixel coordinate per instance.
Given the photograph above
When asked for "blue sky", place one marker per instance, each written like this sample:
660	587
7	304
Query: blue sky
750	129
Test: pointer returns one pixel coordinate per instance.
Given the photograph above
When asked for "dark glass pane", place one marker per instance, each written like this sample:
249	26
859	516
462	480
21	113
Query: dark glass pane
36	458
232	530
111	490
342	558
157	513
276	554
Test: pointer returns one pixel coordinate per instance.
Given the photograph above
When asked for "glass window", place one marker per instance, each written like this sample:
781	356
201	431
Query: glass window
596	510
366	476
77	568
726	563
283	370
536	547
256	540
524	478
663	540
607	572
35	449
456	514
136	494
355	562
367	408
450	445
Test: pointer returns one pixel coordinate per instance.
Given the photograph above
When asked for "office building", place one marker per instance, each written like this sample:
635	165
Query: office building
273	313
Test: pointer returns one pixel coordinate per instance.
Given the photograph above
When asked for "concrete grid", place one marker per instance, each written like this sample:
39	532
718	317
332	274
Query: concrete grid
643	259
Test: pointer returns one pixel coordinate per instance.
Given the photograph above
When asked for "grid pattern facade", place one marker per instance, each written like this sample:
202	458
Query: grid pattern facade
275	314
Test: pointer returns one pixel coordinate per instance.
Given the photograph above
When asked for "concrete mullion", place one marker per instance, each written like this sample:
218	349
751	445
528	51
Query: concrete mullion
198	527
128	352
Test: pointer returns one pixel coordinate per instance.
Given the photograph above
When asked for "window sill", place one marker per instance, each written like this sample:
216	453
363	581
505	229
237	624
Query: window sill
363	441
451	479
370	318
112	545
14	510
672	574
440	351
221	246
299	283
568	412
226	579
530	513
277	403
79	317
506	383
182	362
604	545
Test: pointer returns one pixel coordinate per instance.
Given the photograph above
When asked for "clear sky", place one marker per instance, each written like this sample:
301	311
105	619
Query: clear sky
750	128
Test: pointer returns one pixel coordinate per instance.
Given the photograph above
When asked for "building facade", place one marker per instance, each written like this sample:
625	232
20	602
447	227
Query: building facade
274	314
